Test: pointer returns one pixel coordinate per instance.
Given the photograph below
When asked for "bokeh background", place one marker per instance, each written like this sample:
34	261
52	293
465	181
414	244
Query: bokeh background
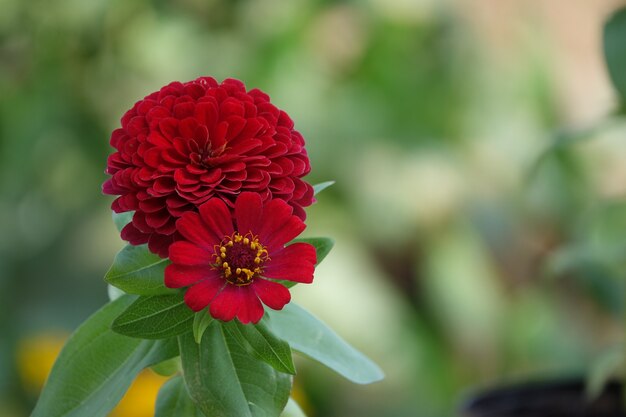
479	210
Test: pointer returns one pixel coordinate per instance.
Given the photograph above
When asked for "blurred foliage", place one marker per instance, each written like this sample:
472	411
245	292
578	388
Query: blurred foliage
615	51
478	226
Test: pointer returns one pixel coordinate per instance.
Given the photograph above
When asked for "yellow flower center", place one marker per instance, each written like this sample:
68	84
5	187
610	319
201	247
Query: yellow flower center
240	258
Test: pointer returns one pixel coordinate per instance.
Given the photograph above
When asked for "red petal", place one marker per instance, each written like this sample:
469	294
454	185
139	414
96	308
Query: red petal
169	127
294	263
160	244
200	295
187	127
177	276
194	230
184	177
187	253
275	214
226	303
273	294
133	235
282	232
250	307
157	219
108	187
248	209
217	219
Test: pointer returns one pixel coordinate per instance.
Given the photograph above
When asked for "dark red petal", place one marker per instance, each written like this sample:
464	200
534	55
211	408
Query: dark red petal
226	304
139	221
135	237
168	228
200	295
299	211
157	219
187	253
294	263
184	177
248	209
273	294
250	308
216	216
160	244
194	230
199	140
169	127
212	177
206	113
109	188
117	136
177	276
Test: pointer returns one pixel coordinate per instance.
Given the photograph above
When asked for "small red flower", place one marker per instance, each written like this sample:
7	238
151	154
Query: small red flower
231	266
187	143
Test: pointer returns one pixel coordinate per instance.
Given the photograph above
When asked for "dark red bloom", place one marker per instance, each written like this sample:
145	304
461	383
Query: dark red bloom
231	266
187	143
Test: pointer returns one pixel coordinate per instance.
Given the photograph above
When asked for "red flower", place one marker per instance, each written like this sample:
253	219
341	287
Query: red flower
187	143
231	267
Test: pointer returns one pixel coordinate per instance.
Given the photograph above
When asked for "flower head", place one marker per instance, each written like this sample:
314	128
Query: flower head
231	264
189	142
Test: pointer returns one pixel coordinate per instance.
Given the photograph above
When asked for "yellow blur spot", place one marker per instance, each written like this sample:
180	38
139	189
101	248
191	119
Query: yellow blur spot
35	356
141	396
299	396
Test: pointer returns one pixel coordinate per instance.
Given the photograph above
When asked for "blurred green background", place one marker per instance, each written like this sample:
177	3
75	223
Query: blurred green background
479	207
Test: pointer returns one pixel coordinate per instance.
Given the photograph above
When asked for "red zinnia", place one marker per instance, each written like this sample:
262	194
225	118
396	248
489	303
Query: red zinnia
230	266
187	143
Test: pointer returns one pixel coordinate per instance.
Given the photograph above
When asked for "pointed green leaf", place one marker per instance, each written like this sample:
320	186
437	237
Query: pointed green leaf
113	292
122	219
136	270
96	367
615	51
225	380
292	409
606	366
155	317
318	188
168	367
174	400
308	335
201	321
262	343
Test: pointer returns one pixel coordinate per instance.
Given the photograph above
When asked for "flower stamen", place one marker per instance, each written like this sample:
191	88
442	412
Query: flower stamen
240	258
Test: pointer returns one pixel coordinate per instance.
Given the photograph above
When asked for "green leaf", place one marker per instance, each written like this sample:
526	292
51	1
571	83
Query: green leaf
174	400
603	368
168	367
318	188
201	321
155	317
262	343
114	293
136	270
225	380
292	410
308	335
96	367
615	51
122	219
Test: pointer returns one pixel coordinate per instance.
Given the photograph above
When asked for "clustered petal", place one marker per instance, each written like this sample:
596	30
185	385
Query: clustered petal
191	144
230	264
